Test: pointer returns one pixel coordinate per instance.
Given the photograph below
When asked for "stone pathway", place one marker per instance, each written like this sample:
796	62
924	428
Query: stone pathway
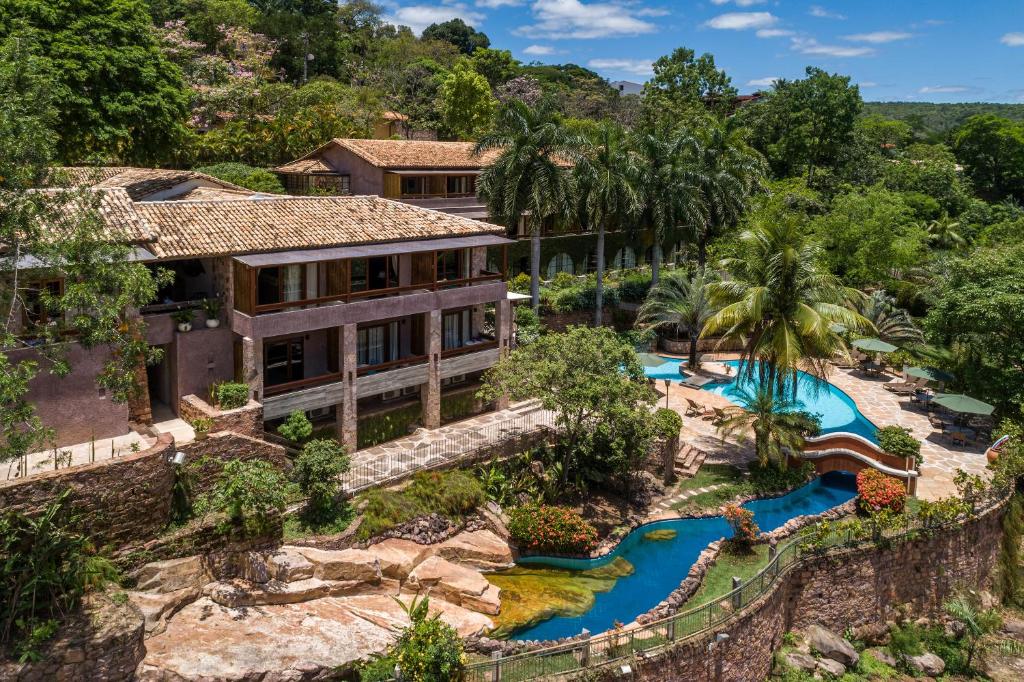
666	506
425	448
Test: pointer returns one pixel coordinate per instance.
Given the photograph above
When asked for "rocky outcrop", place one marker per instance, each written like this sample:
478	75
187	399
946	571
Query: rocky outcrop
398	557
830	645
455	584
927	663
482	549
346	564
172	575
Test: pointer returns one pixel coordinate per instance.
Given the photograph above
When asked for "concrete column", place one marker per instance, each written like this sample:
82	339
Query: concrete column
252	366
430	392
503	318
347	409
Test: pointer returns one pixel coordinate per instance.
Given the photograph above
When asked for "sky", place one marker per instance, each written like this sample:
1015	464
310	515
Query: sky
896	50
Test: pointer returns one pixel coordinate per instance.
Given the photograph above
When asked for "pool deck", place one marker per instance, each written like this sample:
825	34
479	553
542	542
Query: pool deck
942	458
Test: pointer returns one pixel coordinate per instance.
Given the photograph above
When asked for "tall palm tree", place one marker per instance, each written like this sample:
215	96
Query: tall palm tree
779	428
681	301
728	172
781	303
606	185
944	233
667	186
894	324
531	177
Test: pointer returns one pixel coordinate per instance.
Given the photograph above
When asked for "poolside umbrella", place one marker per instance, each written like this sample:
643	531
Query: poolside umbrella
874	345
958	402
650	359
929	373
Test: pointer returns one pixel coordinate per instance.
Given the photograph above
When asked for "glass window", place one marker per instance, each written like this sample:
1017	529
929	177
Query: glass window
453	265
280	284
414	185
377	345
283	362
460	184
36	311
268	286
456	329
379	272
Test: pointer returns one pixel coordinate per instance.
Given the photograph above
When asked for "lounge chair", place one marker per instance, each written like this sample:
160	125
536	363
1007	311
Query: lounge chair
901	387
693	409
720	416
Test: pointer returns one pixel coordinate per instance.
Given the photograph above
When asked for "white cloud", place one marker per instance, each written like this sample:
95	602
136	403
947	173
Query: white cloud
812	46
539	50
943	89
1013	39
418	17
773	33
739	3
762	82
878	37
867	84
637	67
494	4
558	19
742	21
822	13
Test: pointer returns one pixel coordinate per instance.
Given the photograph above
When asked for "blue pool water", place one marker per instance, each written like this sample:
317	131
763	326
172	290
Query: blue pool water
660	566
837	410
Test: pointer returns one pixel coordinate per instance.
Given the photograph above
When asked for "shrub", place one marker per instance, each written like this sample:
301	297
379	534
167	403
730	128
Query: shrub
545	528
667	422
880	492
449	493
520	283
528	325
428	650
317	471
297	427
582	296
897	440
744	530
771	479
230	395
634	287
639	339
256	179
250	492
562	280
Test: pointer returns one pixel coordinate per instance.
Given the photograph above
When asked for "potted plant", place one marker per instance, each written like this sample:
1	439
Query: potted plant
202	426
184	319
211	308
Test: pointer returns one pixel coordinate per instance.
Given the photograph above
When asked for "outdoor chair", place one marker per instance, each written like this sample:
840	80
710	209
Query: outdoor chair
694	409
902	387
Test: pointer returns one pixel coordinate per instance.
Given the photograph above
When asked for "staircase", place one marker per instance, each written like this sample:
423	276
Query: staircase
689	460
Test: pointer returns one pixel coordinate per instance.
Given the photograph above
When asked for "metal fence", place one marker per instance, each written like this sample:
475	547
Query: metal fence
566	659
510	435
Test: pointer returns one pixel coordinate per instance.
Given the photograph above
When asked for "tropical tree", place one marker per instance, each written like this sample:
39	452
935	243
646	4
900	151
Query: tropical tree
727	172
681	301
466	103
606	186
779	427
893	324
978	626
530	179
944	233
780	304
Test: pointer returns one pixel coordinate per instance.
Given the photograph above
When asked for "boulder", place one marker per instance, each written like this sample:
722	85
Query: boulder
398	556
1013	626
157	607
480	548
385	612
456	584
799	661
830	645
831	667
882	656
872	633
927	663
288	565
238	593
345	564
1000	666
172	575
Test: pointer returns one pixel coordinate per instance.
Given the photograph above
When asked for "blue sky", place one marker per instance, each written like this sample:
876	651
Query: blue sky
920	50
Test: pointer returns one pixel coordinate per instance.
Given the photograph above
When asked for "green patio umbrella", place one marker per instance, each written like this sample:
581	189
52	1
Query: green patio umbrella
874	345
929	373
958	402
651	359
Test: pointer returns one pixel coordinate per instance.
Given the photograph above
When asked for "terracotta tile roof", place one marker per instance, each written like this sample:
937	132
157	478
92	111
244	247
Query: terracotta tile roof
394	116
303	166
212	228
217	194
138	182
121	222
415	154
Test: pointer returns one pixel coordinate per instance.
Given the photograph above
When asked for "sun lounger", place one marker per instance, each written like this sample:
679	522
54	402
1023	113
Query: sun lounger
901	387
693	409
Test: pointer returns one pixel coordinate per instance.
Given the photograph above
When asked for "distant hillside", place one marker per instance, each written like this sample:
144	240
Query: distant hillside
941	118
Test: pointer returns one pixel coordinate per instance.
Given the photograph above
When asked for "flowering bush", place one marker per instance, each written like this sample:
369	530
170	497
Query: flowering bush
543	528
744	530
878	491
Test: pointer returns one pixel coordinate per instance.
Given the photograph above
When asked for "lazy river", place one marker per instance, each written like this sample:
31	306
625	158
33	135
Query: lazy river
660	565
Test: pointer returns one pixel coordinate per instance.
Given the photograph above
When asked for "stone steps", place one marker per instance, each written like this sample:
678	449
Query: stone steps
689	461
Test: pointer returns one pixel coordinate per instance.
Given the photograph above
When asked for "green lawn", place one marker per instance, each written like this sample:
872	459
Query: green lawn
718	580
711	474
725	475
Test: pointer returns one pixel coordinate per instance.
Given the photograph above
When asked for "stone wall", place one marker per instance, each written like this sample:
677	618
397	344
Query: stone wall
246	420
205	458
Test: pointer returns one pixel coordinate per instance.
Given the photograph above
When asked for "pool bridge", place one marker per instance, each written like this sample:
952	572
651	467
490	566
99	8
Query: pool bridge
853	453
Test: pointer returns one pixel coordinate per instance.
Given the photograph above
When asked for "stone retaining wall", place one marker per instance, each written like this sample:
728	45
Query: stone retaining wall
246	420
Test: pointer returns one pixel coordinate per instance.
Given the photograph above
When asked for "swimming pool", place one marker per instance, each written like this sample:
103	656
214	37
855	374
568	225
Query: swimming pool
837	410
660	566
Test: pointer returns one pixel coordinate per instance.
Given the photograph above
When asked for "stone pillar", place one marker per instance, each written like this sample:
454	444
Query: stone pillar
503	325
140	410
347	409
430	392
252	366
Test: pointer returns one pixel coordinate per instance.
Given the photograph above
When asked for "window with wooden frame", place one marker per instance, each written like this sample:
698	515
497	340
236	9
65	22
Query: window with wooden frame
414	185
456	329
453	265
371	274
38	304
463	185
280	284
283	361
377	344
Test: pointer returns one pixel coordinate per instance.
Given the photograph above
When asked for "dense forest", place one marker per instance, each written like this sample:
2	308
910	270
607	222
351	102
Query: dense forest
930	118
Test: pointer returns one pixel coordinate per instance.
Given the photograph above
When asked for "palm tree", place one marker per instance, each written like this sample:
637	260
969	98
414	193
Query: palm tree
530	178
606	185
944	233
979	624
667	186
779	428
727	173
681	301
781	303
893	323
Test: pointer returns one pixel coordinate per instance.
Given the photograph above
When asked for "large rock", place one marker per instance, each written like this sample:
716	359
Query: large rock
386	612
345	564
157	607
172	575
398	556
480	548
927	663
238	593
1000	666
831	667
882	656
454	583
799	661
831	645
288	565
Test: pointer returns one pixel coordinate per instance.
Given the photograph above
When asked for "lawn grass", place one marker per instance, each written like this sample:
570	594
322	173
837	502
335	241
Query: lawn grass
296	528
711	474
718	579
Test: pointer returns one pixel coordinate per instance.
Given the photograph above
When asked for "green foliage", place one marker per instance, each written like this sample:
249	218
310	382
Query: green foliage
256	179
549	529
467	106
251	492
455	406
897	440
428	650
297	427
927	119
667	422
450	493
906	640
385	426
1010	574
581	296
684	86
231	395
455	31
992	152
528	325
679	303
318	469
633	288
